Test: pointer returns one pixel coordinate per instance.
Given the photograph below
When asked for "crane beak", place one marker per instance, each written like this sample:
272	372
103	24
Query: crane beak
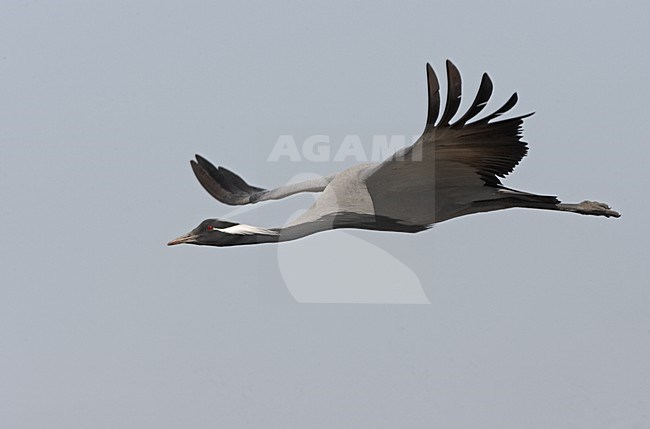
187	238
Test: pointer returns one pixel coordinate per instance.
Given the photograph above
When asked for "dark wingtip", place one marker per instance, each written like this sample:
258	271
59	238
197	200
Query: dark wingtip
480	101
433	89
201	159
454	92
198	170
503	109
451	67
236	181
209	183
485	80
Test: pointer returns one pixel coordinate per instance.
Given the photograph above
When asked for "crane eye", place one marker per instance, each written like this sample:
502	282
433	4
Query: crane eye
210	227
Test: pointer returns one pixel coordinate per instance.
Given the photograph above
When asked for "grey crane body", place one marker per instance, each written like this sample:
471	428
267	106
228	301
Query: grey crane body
452	170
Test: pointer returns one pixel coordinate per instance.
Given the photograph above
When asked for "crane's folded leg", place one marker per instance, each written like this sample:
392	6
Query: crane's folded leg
587	207
504	198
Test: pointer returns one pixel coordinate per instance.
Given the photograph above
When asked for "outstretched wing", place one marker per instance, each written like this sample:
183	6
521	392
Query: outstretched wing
451	165
229	188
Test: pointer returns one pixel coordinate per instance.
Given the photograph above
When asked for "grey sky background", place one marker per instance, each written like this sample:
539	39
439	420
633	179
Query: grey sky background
536	320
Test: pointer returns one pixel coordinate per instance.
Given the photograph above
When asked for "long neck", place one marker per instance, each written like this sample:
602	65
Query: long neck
326	223
275	235
295	232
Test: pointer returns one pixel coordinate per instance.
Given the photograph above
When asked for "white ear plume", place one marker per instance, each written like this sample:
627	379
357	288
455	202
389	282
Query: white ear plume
243	229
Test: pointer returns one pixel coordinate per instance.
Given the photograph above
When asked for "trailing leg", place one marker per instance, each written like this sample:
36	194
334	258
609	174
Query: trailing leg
593	208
